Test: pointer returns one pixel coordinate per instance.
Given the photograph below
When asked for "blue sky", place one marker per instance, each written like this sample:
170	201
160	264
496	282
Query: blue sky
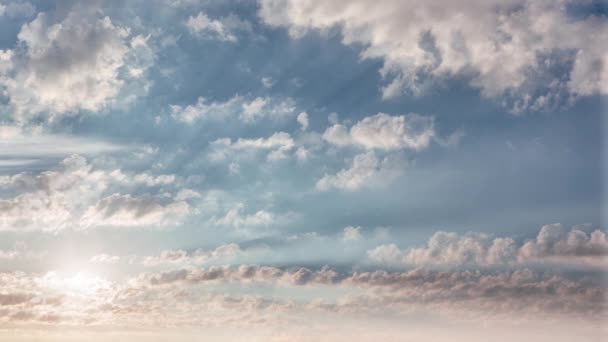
278	153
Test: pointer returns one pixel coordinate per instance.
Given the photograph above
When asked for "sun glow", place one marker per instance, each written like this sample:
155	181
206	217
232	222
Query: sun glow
83	283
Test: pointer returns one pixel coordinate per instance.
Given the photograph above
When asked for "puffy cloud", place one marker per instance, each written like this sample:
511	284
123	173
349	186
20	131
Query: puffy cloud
74	195
532	51
223	29
80	62
234	218
303	120
366	169
384	132
248	111
352	233
552	244
119	210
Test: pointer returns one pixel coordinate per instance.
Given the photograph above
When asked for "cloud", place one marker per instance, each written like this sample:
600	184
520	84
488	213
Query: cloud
366	170
80	62
8	255
352	233
279	144
553	242
81	299
196	257
384	132
503	48
76	195
267	82
249	111
105	259
118	210
234	218
520	291
303	120
223	29
19	143
17	9
552	245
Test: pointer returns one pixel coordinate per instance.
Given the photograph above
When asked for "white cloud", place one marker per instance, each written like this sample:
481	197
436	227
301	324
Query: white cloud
555	243
384	132
366	169
552	245
279	144
80	62
235	218
75	195
352	233
504	47
119	210
151	180
303	120
248	111
263	107
17	9
223	29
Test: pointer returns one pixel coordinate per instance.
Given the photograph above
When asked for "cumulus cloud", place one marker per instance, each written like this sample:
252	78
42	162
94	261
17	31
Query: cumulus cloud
79	62
235	218
303	120
248	111
75	195
223	29
552	244
366	169
530	51
118	210
384	132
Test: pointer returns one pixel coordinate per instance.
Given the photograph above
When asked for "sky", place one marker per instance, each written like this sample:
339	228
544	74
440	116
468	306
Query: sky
282	170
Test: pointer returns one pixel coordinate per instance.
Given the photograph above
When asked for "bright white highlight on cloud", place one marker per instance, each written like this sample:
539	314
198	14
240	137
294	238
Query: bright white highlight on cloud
384	132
